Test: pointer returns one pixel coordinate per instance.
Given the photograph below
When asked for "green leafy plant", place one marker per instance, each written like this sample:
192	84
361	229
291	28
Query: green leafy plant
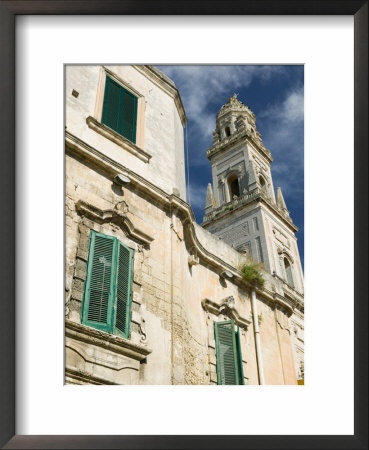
251	273
260	318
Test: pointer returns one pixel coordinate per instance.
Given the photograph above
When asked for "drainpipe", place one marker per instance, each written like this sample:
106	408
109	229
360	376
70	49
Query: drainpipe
255	318
172	293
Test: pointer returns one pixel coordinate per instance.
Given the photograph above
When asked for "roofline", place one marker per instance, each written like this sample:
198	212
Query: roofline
166	84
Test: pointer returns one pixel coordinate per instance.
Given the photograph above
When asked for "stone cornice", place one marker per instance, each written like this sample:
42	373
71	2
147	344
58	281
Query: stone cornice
224	145
275	299
74	145
167	85
115	216
111	342
245	201
117	139
173	204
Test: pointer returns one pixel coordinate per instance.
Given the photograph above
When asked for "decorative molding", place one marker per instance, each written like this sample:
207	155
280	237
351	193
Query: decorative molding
256	195
117	139
115	216
227	308
224	145
105	340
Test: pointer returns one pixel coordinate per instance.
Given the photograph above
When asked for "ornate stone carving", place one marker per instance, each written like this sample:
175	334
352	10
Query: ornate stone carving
121	207
117	216
226	308
143	338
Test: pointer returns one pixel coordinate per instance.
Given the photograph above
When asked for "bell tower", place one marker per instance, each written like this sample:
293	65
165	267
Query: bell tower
241	206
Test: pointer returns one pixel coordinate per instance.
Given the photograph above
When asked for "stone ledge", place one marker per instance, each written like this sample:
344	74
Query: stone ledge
81	377
118	139
105	340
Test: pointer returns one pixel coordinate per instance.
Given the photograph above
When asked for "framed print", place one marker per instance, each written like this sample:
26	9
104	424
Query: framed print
142	312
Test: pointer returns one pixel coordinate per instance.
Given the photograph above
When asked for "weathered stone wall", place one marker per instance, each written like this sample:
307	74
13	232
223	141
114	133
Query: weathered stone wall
168	292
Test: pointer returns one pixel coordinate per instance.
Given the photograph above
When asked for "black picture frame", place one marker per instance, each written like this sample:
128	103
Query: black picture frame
8	11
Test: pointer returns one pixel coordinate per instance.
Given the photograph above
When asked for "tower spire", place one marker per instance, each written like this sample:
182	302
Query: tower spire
210	201
280	201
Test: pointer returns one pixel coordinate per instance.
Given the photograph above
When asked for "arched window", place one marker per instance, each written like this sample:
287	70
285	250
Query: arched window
227	131
233	186
262	184
288	269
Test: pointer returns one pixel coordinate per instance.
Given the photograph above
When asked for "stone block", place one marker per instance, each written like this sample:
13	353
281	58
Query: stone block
77	285
77	295
88	223
146	279
136	317
159	294
135	306
213	377
82	254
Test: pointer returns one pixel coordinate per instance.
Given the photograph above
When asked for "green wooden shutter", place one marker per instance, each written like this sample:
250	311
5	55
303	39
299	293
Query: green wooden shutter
239	354
99	290
124	290
120	110
226	353
111	106
128	115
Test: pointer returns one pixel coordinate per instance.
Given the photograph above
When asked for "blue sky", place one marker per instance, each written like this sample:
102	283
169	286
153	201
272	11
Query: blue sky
276	95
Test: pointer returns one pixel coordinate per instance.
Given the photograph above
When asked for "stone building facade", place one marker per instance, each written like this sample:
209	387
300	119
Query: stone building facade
151	296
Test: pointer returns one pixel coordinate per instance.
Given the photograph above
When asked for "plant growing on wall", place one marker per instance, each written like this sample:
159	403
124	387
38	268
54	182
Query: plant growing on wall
251	272
260	318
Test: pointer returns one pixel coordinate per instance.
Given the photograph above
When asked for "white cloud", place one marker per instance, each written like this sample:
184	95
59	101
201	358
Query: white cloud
283	133
197	84
290	112
200	86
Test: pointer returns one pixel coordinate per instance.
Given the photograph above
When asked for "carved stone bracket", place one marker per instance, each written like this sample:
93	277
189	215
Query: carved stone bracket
117	216
143	334
226	307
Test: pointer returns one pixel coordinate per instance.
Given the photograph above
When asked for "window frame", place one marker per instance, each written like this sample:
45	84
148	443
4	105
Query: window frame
140	113
110	326
288	270
237	352
109	83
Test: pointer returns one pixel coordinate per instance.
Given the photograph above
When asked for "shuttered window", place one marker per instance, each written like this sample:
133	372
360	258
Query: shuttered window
228	353
120	110
108	286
